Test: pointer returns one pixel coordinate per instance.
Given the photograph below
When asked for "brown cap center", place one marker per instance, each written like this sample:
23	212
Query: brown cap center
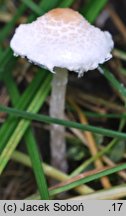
64	14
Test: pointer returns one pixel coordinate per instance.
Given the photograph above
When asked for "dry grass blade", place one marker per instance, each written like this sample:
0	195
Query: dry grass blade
91	144
117	21
117	192
80	176
51	172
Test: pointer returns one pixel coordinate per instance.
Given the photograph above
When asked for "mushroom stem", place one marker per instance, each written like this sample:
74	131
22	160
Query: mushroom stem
57	105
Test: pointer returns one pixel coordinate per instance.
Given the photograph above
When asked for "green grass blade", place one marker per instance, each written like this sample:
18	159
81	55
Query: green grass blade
33	6
31	145
36	164
4	55
106	149
23	124
87	179
6	61
50	171
7	29
48	5
102	115
10	124
49	120
92	9
12	90
66	3
86	163
114	82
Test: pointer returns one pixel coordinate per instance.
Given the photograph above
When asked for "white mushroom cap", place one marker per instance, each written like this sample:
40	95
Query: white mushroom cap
63	38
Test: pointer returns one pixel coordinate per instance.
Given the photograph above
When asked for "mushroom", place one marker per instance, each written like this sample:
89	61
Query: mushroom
62	40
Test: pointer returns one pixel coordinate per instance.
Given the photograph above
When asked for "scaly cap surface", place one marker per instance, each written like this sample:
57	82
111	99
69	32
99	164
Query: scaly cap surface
63	38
